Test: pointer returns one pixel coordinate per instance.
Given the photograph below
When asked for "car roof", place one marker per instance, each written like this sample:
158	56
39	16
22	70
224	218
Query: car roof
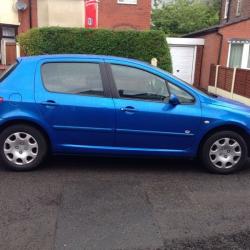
81	56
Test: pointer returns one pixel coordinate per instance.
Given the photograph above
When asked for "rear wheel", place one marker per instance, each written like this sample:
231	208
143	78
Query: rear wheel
224	152
23	147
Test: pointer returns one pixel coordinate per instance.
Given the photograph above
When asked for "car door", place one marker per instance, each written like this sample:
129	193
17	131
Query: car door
74	100
144	117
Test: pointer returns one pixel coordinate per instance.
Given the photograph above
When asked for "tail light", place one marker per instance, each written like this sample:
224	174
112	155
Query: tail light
1	99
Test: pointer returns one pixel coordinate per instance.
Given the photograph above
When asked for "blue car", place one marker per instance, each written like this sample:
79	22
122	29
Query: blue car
90	104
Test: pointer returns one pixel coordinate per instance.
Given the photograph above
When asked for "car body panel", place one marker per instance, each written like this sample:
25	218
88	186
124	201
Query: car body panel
90	124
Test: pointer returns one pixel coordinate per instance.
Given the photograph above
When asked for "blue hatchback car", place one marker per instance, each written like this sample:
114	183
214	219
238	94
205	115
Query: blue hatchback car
90	104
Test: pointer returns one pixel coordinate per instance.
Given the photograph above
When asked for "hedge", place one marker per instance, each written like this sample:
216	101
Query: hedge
142	45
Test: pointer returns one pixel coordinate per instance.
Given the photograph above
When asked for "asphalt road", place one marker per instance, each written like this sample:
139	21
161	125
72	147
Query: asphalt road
103	203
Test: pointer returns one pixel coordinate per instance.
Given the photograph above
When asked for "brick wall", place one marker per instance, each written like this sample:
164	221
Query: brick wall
239	30
245	10
210	56
24	16
198	65
124	16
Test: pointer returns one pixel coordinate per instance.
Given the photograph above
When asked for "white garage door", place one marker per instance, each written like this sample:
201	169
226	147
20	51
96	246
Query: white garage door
183	60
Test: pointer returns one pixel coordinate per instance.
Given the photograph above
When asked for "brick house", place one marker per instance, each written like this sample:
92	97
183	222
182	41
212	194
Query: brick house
17	16
228	43
117	15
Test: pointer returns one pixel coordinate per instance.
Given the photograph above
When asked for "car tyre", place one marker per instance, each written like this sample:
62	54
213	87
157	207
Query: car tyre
224	152
22	147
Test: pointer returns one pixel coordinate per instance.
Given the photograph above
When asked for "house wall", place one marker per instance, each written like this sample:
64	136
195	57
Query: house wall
239	30
214	40
27	21
124	16
8	14
210	56
244	11
65	13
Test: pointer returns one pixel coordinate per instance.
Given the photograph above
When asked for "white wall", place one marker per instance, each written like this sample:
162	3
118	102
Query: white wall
8	14
64	13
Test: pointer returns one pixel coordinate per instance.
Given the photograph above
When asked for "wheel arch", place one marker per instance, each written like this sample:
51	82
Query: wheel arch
241	131
29	123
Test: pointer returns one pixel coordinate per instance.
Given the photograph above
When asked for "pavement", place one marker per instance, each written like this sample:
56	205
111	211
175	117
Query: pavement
123	204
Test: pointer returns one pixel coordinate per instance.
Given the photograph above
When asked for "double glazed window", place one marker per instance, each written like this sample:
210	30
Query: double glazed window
138	84
73	78
239	55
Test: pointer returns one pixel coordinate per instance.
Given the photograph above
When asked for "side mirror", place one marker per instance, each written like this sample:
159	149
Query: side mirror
173	99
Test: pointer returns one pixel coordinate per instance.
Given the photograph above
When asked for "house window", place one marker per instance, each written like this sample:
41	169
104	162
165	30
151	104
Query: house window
248	61
239	54
238	9
127	1
236	55
226	9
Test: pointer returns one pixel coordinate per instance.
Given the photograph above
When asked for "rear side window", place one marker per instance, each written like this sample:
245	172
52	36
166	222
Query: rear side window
73	78
6	73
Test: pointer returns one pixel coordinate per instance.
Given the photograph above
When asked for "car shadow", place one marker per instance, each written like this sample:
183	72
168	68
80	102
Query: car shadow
121	164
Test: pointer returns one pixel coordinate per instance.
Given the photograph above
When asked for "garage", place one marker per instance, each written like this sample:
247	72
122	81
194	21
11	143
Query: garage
185	57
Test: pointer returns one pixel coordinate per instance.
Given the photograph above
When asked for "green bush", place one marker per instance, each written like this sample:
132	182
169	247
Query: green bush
142	45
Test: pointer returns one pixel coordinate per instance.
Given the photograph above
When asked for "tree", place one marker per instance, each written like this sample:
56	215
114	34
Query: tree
184	16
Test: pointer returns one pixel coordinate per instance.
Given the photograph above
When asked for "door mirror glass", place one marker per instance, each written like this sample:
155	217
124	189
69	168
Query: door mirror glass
174	100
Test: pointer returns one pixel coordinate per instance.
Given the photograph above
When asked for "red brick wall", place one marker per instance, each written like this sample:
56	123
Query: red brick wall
123	16
239	30
198	65
211	49
210	56
24	17
245	10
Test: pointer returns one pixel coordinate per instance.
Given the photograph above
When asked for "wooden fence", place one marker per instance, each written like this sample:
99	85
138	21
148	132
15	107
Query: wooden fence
233	83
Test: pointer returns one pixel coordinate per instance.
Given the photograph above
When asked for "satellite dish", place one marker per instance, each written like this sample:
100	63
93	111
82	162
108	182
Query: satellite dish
21	6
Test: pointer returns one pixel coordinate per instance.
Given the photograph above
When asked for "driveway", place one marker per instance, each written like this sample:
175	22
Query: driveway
103	203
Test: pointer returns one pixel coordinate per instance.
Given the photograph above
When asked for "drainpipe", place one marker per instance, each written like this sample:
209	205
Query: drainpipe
220	48
229	9
30	13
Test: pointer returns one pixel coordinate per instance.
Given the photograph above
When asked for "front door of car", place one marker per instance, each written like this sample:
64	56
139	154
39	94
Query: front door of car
145	117
74	101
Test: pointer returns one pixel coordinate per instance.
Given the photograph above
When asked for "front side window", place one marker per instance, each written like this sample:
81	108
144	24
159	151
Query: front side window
73	78
139	84
236	53
183	96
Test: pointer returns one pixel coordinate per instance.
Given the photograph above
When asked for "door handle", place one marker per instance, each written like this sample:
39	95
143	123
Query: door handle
128	109
49	103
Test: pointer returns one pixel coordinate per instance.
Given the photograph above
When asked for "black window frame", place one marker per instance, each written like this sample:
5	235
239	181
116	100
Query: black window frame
8	71
103	74
115	92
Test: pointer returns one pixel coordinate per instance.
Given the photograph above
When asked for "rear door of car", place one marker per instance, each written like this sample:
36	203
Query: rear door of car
73	98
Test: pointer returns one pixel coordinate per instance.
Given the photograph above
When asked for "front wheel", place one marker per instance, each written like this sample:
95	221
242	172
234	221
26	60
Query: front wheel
22	147
224	152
